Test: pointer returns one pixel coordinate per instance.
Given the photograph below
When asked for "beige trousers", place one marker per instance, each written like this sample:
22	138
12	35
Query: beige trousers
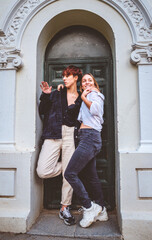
48	165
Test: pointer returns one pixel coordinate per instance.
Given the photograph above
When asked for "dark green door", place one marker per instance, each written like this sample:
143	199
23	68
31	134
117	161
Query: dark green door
101	68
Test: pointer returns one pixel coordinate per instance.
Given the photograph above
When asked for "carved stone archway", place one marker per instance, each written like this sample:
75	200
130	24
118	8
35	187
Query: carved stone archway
139	22
135	13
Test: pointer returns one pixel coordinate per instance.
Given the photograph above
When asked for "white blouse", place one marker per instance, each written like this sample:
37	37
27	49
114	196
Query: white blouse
93	117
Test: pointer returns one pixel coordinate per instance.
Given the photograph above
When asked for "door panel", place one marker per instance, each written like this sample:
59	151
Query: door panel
101	68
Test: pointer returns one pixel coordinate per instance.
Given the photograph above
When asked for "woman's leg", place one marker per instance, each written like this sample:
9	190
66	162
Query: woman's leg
93	182
83	154
75	165
95	189
68	149
48	165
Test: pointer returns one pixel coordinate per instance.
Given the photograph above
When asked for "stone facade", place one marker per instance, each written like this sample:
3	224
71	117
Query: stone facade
26	27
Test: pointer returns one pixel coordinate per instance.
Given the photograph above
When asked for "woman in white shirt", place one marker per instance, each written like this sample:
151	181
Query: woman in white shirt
91	119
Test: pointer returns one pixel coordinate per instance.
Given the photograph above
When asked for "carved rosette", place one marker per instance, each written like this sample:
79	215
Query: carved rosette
141	54
10	60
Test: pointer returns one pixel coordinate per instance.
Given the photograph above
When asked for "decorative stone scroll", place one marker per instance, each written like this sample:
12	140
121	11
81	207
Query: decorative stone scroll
25	9
141	54
10	60
16	23
20	17
136	17
132	11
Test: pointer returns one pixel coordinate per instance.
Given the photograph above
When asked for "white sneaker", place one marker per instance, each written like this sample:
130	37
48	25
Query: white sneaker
89	215
103	216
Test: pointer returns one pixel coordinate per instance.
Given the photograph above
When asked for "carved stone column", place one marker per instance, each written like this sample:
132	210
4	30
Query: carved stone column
142	56
10	62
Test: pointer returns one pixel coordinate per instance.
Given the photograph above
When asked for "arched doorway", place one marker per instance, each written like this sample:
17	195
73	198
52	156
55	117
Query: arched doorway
89	50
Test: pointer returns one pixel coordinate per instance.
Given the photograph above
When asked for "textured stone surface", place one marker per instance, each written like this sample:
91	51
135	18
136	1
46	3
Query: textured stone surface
50	227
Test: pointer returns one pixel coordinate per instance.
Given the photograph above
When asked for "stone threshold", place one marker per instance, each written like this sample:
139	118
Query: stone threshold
49	224
50	227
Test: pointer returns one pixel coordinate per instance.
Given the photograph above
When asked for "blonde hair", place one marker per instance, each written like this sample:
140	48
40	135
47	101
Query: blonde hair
95	82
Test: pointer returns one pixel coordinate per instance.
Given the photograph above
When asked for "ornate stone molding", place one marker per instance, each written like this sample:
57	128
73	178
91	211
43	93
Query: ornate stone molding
136	16
22	14
141	54
132	10
10	60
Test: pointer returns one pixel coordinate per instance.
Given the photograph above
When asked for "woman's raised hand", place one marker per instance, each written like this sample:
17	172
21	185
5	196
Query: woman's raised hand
85	92
45	87
60	86
95	89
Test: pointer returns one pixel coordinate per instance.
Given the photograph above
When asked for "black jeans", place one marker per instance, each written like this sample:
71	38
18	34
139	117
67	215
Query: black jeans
84	159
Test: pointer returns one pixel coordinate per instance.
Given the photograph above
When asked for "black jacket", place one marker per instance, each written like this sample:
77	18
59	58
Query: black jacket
50	107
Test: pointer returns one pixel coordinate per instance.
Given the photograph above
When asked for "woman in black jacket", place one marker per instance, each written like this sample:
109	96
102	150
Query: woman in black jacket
60	110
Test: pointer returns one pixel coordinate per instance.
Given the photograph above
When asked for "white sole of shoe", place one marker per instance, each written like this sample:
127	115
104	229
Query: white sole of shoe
86	225
89	223
101	220
102	217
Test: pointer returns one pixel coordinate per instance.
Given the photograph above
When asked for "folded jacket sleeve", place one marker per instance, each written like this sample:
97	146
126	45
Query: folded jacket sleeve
97	106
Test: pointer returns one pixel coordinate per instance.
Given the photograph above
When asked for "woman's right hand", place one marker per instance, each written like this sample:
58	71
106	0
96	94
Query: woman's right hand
45	87
85	92
60	86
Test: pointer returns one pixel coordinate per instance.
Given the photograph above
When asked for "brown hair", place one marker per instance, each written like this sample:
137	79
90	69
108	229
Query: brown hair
95	82
72	70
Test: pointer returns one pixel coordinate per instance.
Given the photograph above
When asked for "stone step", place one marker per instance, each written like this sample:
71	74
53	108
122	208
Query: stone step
50	227
9	236
50	224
